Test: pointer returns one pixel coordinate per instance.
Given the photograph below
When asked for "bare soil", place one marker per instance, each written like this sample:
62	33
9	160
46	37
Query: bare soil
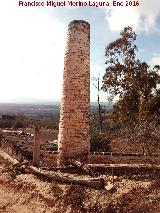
27	193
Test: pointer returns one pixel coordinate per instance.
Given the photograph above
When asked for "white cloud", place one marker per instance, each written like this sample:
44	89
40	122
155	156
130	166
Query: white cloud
32	44
97	71
155	60
141	18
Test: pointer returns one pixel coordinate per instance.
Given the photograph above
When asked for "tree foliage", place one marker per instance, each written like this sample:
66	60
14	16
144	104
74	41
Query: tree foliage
129	79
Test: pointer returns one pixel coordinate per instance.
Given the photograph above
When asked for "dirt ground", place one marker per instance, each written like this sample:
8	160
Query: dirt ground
28	194
18	202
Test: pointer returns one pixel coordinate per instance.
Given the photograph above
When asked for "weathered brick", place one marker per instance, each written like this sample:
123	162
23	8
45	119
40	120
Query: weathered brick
73	138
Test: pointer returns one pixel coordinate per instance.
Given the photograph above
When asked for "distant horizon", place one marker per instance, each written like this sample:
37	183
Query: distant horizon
29	100
45	102
39	108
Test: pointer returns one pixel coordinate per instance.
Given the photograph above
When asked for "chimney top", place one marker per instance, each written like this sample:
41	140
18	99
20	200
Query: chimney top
78	22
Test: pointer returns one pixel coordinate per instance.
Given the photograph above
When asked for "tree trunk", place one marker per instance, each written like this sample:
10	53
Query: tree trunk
97	183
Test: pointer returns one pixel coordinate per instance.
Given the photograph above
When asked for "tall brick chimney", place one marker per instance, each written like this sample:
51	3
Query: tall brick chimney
73	138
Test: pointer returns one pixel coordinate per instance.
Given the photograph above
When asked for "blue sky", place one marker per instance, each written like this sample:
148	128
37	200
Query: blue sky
32	44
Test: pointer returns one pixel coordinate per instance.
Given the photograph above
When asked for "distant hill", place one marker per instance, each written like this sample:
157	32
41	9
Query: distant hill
38	109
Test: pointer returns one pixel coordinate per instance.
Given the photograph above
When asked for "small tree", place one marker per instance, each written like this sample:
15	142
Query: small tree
99	141
100	118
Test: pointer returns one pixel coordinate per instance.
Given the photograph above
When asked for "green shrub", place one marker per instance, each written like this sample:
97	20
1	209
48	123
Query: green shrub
19	124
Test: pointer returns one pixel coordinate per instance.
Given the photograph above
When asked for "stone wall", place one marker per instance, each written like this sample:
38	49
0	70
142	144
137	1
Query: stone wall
73	138
16	144
7	147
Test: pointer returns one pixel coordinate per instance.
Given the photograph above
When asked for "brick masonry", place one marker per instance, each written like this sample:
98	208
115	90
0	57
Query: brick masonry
73	138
